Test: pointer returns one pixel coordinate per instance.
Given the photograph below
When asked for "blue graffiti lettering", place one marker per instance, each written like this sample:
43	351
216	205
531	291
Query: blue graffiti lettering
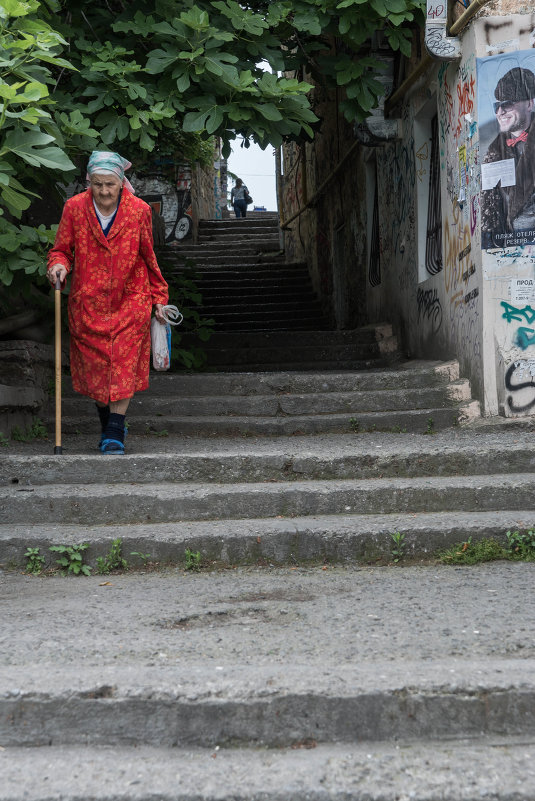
512	313
525	337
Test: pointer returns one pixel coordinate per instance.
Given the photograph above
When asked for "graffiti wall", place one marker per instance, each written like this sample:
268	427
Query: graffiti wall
429	221
435	229
329	234
171	200
458	133
506	92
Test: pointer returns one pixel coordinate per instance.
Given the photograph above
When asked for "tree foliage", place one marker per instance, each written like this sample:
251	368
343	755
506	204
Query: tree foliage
112	74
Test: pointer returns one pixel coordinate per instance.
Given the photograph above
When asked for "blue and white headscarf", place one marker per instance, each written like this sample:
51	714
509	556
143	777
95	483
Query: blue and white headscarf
104	162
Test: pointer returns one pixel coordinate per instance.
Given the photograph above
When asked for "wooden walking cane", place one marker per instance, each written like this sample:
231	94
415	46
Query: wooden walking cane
57	298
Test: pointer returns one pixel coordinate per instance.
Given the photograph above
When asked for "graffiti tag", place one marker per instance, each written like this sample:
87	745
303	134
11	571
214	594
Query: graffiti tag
512	313
429	307
512	387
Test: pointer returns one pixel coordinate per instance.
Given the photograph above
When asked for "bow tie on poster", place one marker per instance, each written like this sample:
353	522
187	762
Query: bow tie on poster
521	138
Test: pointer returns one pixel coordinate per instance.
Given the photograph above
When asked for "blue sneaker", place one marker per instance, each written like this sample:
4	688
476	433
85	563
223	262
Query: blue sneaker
112	446
99	446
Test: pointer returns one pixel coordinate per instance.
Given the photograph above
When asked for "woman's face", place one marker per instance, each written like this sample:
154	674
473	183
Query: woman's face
105	190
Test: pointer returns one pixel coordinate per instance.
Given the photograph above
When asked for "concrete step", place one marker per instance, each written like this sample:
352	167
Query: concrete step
268	658
274	355
318	339
170	502
252	257
275	339
247	272
251	293
414	421
288	323
261	309
495	768
253	219
262	268
230	235
261	239
221	261
349	456
235	227
288	404
258	367
403	376
319	350
239	266
265	241
107	706
269	685
207	283
344	538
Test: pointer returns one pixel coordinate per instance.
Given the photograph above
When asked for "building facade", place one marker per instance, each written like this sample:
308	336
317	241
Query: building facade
425	215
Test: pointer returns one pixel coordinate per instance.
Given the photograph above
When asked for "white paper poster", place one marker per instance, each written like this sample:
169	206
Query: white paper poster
522	290
494	171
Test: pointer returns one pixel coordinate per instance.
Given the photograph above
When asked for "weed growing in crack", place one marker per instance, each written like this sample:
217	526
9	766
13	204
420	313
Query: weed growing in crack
37	430
521	546
144	557
430	430
113	560
398	551
472	553
193	560
34	561
71	559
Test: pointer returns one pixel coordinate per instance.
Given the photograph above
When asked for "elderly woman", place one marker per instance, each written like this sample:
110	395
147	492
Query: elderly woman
105	238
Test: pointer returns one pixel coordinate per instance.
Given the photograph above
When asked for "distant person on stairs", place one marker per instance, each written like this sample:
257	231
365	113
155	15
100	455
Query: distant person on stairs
105	239
238	198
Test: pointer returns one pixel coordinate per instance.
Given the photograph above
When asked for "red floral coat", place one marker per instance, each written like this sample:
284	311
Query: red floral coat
115	283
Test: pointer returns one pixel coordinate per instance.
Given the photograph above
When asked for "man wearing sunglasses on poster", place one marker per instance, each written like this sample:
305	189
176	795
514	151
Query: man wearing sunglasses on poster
508	170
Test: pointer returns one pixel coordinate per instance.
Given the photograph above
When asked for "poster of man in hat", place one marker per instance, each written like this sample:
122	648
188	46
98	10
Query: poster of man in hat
507	145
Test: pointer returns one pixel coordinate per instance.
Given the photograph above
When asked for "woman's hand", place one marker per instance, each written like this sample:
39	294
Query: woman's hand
158	313
52	273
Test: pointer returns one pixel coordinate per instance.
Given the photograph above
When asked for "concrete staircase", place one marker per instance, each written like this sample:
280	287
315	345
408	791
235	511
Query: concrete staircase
297	671
266	314
293	666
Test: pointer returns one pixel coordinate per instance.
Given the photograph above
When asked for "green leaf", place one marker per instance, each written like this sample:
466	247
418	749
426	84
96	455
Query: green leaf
183	82
15	201
33	91
214	120
195	121
159	60
396	6
13	8
269	111
123	128
344	24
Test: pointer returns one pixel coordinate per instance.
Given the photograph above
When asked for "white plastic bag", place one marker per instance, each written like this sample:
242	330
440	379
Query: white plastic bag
160	337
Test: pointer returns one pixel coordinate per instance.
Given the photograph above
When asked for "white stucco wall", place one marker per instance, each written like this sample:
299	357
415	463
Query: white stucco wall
439	315
480	308
505	42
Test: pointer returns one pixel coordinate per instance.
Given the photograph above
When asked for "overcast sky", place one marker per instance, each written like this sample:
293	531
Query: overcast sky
256	168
